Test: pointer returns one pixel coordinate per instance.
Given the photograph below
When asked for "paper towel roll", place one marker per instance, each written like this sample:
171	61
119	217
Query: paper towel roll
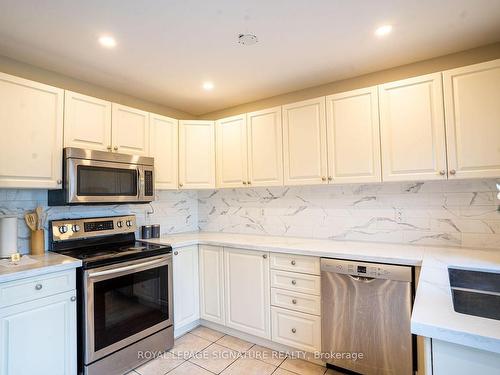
8	235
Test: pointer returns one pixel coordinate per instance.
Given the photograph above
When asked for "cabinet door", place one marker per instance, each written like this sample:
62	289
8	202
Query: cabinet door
87	122
39	337
265	147
31	116
247	291
231	151
353	136
472	108
186	292
130	130
212	284
163	145
412	128
196	154
304	142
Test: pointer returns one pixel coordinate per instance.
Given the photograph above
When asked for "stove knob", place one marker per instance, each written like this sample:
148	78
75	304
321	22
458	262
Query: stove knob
129	223
119	224
63	229
75	228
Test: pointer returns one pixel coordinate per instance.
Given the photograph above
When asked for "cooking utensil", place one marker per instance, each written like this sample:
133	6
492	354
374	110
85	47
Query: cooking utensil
31	221
39	216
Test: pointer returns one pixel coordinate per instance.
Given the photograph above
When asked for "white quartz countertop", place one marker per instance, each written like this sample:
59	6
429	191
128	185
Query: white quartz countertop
432	316
37	265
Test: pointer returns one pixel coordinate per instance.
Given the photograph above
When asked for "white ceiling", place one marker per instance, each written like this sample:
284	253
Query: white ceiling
167	48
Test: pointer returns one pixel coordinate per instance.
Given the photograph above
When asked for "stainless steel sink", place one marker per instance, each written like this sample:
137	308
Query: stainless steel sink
475	292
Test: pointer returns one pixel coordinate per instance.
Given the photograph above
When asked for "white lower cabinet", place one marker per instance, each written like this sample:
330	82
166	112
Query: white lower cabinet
247	291
38	336
449	358
186	292
296	329
212	284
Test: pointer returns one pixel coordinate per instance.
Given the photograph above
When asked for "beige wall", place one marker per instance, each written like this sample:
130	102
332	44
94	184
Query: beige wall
454	60
34	73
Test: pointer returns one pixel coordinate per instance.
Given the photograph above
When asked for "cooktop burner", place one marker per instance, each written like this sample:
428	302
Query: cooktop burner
101	241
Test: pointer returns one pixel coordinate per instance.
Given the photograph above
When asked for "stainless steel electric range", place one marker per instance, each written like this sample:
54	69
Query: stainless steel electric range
124	291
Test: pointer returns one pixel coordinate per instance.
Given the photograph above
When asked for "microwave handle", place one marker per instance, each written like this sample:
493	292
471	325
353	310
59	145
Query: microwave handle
139	183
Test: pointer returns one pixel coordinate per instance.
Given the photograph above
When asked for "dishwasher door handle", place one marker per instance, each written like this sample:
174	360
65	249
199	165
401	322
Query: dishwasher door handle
362	278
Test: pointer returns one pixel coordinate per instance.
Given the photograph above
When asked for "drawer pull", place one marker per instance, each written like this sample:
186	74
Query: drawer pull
293	262
294	282
176	253
38	286
294	330
264	256
73	298
294	301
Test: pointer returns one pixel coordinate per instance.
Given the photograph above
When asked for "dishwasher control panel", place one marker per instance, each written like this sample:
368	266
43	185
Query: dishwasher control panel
364	269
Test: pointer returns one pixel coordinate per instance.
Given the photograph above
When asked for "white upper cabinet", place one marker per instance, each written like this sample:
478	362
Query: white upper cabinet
196	154
130	133
87	122
353	136
265	147
31	119
412	129
163	147
231	151
247	291
212	283
472	107
304	142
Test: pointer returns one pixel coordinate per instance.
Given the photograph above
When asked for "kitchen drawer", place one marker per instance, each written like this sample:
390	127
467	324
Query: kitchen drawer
297	282
295	263
295	329
32	288
288	299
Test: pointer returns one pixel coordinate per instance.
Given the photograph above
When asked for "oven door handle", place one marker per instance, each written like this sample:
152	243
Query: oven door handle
127	268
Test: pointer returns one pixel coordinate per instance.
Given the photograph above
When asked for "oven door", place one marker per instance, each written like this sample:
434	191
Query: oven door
94	181
126	302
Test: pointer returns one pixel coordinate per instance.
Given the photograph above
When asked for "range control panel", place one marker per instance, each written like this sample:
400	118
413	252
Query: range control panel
365	269
71	229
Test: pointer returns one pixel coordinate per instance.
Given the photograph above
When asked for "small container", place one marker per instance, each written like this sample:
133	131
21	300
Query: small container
146	232
37	242
155	230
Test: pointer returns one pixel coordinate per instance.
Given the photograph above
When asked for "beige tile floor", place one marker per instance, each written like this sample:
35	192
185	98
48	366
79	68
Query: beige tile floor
204	351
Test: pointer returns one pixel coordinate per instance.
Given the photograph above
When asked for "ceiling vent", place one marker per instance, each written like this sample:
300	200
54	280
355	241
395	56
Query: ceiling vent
247	39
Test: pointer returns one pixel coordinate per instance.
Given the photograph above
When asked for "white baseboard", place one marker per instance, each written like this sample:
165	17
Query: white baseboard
179	331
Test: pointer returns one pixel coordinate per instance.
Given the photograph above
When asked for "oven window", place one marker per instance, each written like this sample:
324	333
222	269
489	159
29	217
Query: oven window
101	181
129	304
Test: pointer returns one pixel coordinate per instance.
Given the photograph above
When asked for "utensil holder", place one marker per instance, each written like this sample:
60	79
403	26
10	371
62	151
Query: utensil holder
37	242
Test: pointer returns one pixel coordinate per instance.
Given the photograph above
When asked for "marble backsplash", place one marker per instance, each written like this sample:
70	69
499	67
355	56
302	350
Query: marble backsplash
462	213
175	211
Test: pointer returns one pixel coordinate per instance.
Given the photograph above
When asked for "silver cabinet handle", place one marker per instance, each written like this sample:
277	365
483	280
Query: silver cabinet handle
73	298
453	172
294	330
59	182
38	286
181	184
294	301
115	148
244	182
294	282
109	148
442	172
249	182
330	178
293	263
264	256
323	178
176	253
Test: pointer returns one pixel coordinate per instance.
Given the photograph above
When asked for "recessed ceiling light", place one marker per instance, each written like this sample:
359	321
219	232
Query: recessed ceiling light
208	86
383	30
107	41
247	39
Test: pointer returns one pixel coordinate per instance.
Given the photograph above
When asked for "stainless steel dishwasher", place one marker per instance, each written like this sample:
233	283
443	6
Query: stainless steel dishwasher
366	309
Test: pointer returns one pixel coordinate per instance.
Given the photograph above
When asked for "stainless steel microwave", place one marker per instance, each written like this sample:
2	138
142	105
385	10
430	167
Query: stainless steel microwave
98	177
